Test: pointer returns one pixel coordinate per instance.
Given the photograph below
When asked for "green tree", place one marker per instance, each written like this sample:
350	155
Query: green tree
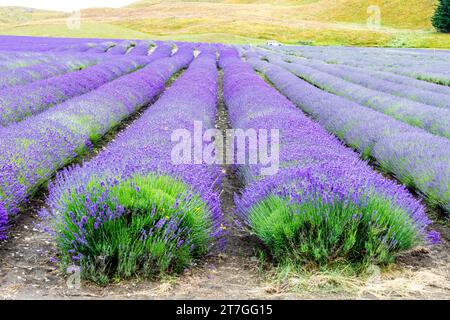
441	18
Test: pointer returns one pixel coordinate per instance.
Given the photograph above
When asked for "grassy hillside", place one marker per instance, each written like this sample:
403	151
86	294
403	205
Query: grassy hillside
403	14
22	15
87	30
321	22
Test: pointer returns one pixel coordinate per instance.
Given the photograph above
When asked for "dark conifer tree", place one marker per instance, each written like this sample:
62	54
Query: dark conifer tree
441	18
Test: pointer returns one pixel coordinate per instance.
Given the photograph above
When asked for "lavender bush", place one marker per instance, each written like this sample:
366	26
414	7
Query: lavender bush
3	222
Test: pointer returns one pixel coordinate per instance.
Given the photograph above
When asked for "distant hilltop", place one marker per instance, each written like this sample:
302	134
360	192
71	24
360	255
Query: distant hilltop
396	23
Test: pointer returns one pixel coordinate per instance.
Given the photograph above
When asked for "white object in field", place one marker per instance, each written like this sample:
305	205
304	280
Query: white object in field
273	43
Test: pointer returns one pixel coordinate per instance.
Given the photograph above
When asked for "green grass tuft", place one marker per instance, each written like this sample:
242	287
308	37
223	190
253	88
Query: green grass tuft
323	233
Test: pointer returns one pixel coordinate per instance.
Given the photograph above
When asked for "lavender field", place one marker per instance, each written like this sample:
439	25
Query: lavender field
116	161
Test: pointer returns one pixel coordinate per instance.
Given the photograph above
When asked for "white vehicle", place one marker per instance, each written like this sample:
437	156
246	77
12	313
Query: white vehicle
273	43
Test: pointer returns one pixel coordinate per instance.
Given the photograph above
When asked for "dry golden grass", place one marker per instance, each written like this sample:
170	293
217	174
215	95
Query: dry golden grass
392	283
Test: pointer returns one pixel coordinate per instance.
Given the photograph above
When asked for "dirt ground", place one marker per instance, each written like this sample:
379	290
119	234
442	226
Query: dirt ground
27	270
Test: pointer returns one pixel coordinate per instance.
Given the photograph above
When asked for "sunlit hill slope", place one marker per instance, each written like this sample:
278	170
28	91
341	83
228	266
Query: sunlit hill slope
319	22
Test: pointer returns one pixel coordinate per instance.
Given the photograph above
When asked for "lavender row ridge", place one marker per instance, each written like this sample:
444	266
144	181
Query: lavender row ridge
65	64
432	119
20	102
324	203
167	214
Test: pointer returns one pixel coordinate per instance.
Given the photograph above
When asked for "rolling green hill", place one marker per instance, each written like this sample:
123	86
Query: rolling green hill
320	22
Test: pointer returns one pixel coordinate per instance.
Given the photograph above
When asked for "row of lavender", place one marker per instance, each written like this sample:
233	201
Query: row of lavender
49	45
431	118
427	65
33	149
45	70
167	214
19	102
368	79
22	67
41	44
32	82
33	47
415	157
324	203
29	90
15	59
12	59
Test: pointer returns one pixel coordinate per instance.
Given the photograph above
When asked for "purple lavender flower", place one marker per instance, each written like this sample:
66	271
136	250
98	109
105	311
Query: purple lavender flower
3	222
161	222
143	235
434	237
